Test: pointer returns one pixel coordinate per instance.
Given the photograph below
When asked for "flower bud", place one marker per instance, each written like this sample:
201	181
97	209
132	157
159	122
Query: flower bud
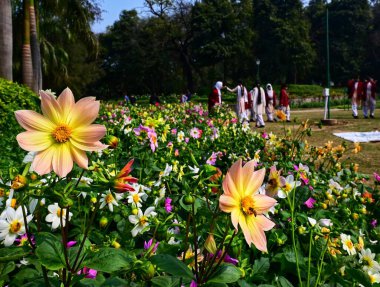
147	271
188	199
94	200
103	222
355	216
112	141
301	229
19	182
116	244
135	211
210	244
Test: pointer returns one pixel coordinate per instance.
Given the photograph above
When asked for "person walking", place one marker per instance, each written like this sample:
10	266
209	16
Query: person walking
215	97
270	99
285	101
369	98
259	105
241	101
355	94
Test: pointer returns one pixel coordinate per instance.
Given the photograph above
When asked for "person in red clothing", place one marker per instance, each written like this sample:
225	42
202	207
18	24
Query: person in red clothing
355	88
285	101
215	97
369	98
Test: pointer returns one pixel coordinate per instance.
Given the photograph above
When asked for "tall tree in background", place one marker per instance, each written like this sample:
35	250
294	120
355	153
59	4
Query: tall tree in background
283	40
6	40
35	49
349	27
27	65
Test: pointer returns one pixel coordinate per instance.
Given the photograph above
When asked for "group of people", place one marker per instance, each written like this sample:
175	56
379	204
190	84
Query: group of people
363	92
252	105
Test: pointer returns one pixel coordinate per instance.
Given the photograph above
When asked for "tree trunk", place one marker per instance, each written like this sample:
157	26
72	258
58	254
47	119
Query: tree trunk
35	47
6	40
27	66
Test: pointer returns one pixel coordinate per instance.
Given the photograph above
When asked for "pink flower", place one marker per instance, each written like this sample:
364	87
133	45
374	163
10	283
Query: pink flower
88	272
176	152
62	134
168	206
310	202
153	140
70	244
174	131
234	120
374	223
377	177
148	244
193	284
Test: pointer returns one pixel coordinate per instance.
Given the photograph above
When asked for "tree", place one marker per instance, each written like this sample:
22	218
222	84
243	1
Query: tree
6	40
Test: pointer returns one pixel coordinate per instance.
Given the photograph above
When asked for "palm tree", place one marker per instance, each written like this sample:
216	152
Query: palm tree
6	40
27	65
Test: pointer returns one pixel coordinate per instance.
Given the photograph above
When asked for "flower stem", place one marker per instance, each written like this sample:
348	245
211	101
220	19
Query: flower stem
309	260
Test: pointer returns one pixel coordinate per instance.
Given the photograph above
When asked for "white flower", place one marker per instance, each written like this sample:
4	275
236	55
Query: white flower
374	277
368	258
324	222
312	221
136	198
55	216
161	193
12	224
110	200
141	220
23	261
194	169
347	244
245	126
180	136
290	184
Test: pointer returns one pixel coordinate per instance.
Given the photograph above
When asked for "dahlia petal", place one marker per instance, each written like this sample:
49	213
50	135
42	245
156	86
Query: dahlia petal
51	108
62	160
94	146
91	133
84	112
253	182
235	214
257	234
263	203
79	157
32	121
235	172
34	140
264	223
42	163
9	239
245	229
66	101
228	203
229	187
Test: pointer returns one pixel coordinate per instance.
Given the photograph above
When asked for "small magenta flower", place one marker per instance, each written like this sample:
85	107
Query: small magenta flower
147	245
377	177
168	206
310	202
374	223
23	240
70	244
193	284
88	272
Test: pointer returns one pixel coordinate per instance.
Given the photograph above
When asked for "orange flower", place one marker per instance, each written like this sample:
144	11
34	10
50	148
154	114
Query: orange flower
62	134
246	206
120	182
281	115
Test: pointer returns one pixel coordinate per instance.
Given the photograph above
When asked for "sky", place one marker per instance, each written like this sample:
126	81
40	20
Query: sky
111	10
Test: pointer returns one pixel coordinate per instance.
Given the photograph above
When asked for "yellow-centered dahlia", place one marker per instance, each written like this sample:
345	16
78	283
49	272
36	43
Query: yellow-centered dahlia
246	206
62	134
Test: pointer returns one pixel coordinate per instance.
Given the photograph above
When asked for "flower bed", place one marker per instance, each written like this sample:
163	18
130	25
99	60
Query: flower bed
178	198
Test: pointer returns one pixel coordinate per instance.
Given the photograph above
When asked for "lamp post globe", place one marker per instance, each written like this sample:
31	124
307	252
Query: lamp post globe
258	70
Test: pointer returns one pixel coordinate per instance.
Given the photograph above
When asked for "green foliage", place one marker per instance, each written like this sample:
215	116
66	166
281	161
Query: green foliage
13	97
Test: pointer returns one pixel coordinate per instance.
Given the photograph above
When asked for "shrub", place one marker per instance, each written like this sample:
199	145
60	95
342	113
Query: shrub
13	97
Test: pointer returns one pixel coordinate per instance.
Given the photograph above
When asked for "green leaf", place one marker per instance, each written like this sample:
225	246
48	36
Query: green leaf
107	260
284	282
50	251
12	254
359	276
165	281
260	268
225	274
172	265
216	285
6	268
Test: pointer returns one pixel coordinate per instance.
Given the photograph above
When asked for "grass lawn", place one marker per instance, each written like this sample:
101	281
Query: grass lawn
368	159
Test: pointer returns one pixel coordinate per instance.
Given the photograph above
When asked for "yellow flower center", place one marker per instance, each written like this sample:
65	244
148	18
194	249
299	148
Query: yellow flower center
349	244
15	226
62	133
13	202
2	193
247	204
143	220
109	198
136	198
368	260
